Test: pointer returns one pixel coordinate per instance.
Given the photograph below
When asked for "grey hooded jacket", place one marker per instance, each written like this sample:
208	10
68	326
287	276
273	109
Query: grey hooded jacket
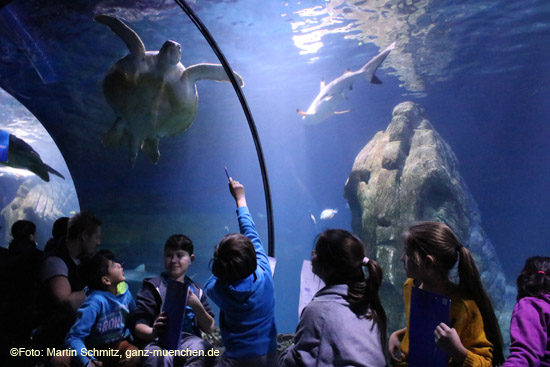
330	334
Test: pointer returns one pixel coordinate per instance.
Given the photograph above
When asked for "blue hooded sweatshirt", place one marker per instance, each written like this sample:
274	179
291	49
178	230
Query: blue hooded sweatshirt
101	320
247	307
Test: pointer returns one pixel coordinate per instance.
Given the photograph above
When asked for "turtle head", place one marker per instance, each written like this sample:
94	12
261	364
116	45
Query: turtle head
170	52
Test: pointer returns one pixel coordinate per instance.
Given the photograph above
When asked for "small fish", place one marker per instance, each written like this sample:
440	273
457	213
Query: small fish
226	229
328	214
313	219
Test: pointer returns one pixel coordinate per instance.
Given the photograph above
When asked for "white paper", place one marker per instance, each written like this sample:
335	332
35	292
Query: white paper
272	263
309	285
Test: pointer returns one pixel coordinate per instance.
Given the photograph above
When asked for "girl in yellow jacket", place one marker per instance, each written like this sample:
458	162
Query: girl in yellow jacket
431	250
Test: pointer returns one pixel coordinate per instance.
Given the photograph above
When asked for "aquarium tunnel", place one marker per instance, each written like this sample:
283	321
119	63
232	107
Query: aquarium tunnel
448	122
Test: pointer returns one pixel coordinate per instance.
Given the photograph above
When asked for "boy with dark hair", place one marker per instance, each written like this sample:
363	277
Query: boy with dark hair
102	320
242	286
151	322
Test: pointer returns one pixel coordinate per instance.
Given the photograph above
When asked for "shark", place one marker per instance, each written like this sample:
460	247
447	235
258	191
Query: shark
332	94
22	155
138	274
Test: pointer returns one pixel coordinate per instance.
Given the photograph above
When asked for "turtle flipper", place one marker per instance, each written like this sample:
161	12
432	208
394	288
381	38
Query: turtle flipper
134	147
127	34
151	148
113	137
209	71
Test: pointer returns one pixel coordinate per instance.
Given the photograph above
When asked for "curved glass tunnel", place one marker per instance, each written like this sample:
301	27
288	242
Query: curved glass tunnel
483	86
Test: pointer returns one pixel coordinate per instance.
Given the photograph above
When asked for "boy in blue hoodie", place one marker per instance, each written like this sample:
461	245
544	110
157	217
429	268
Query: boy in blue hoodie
100	336
242	286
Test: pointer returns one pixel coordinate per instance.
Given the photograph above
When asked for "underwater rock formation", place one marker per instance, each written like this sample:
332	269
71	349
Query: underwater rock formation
41	203
408	173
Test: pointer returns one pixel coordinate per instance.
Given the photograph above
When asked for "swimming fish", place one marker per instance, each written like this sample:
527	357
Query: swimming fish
313	219
332	94
328	214
22	155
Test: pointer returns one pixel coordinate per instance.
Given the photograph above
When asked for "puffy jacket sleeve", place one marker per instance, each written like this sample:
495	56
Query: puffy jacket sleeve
528	334
81	329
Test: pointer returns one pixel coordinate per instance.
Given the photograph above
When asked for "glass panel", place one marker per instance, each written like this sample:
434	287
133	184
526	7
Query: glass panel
478	69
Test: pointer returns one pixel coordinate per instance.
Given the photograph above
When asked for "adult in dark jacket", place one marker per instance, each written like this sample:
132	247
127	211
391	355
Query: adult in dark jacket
62	287
19	312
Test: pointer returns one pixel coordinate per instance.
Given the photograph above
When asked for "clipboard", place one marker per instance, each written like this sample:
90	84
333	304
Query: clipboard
4	145
427	311
309	285
174	305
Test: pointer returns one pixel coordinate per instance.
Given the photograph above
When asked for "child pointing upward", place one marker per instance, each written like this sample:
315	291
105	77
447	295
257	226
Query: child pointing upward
242	286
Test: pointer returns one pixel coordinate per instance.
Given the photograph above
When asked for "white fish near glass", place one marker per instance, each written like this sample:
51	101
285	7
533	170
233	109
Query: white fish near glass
313	219
328	214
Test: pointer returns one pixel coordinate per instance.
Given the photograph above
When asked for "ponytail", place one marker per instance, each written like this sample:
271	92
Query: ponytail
438	240
363	296
470	284
534	279
339	259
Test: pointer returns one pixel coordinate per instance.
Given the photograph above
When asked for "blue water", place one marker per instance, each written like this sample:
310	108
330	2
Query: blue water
479	69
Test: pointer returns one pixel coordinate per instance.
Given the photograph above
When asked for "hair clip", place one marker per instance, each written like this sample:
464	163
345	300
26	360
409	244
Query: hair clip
365	261
541	272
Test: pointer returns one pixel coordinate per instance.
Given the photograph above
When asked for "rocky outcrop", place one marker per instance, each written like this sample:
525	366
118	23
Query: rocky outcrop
41	203
408	173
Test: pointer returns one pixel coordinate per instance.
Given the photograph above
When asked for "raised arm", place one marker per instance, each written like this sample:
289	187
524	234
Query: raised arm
246	224
237	191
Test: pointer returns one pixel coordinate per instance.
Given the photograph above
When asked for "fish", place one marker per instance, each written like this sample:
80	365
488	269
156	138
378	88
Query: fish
313	219
328	214
331	95
138	274
22	155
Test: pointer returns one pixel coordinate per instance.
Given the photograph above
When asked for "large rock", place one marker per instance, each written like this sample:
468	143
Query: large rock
408	173
41	203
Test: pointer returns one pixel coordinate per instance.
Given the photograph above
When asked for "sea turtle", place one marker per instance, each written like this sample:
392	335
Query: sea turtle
152	94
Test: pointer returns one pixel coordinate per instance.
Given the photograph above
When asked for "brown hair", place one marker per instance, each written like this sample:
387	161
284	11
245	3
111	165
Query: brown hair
339	260
83	222
438	240
234	258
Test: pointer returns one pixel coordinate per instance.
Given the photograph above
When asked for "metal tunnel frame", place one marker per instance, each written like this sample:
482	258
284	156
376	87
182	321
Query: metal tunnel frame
267	191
